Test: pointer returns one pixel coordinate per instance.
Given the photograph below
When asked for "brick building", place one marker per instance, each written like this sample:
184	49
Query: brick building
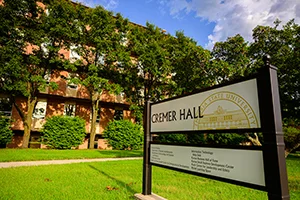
69	99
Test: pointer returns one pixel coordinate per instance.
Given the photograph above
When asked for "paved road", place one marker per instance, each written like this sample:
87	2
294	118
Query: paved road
58	162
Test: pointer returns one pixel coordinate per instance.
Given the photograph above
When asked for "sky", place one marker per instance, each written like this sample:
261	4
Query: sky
206	21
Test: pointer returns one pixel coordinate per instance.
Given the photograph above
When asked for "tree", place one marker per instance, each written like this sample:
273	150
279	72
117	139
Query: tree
284	48
146	75
190	65
29	46
231	59
98	41
234	58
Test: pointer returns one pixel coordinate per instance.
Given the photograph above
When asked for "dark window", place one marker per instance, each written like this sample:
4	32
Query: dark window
118	114
5	107
69	109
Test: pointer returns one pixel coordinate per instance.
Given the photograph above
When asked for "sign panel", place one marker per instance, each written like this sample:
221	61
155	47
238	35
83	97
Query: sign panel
234	164
230	107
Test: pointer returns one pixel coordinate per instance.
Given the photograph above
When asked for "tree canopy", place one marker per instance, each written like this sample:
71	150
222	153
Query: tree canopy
30	46
143	62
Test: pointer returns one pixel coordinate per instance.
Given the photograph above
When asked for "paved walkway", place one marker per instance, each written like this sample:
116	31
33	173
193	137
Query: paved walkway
58	162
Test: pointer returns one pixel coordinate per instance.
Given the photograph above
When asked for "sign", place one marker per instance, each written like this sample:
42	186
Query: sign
248	106
230	107
235	164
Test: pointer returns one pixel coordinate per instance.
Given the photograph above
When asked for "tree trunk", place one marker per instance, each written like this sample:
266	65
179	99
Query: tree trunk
95	108
255	141
28	121
289	150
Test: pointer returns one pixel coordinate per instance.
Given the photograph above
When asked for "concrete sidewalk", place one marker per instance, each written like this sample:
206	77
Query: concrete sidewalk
58	162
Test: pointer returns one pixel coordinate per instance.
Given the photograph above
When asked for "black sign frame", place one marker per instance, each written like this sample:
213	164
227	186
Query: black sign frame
271	128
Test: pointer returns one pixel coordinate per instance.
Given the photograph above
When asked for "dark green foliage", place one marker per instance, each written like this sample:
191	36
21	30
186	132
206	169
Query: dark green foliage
124	135
225	138
100	58
190	65
284	48
63	132
23	70
196	138
5	131
291	138
146	76
137	112
172	138
231	59
193	138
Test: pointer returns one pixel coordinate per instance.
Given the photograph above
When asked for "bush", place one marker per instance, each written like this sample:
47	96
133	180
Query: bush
291	138
124	135
226	138
5	131
63	132
172	138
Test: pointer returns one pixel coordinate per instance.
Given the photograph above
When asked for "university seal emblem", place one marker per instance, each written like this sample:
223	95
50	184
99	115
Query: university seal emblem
225	110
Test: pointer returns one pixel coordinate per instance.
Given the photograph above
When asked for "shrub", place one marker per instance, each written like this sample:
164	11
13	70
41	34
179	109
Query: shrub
63	132
5	131
226	138
124	135
291	138
172	138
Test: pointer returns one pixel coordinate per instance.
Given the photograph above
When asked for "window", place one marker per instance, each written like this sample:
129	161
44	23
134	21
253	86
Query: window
118	114
73	53
40	109
5	107
98	116
70	109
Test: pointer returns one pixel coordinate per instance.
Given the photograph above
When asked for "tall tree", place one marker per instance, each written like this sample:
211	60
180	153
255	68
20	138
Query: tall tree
29	49
190	63
231	59
284	48
98	41
146	75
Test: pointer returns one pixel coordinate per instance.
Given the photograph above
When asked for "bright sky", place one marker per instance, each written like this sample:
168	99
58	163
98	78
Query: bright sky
206	21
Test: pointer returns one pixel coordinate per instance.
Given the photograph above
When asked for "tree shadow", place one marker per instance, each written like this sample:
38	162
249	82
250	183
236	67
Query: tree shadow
121	184
121	153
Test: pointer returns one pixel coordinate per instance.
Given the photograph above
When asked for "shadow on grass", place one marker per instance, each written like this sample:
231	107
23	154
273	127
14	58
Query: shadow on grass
120	183
121	153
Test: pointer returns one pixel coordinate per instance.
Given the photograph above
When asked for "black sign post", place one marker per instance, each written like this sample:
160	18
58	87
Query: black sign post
269	159
147	167
273	148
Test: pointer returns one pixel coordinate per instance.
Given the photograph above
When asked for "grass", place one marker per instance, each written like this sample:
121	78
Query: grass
121	180
47	154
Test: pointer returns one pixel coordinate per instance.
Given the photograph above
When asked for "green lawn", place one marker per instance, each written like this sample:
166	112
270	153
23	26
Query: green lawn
47	154
121	180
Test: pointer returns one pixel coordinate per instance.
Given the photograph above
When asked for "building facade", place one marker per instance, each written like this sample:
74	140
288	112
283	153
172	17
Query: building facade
69	99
